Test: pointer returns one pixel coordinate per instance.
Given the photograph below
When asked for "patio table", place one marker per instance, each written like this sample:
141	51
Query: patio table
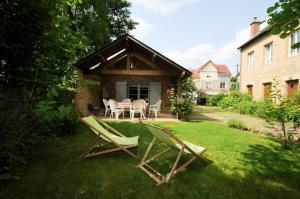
122	105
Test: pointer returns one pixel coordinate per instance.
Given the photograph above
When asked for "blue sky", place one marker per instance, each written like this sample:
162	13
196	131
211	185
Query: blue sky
193	31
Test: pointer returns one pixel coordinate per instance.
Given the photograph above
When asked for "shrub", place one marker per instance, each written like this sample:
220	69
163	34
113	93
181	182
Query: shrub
228	101
248	107
233	98
262	107
234	123
183	105
58	118
296	98
215	99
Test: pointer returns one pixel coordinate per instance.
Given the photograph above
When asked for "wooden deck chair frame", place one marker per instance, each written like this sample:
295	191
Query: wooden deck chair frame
95	143
154	174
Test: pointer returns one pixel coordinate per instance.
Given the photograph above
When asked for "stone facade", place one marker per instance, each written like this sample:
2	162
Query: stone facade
283	67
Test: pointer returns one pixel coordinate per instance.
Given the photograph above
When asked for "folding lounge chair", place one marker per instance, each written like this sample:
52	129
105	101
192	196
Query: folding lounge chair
103	132
172	141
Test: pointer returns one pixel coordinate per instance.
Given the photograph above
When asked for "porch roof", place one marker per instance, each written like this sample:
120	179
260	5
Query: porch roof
126	42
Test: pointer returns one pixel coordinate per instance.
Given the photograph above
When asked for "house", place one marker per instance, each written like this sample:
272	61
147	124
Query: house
212	78
265	57
128	68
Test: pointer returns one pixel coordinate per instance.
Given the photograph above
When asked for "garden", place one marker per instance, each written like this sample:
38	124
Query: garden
41	137
236	162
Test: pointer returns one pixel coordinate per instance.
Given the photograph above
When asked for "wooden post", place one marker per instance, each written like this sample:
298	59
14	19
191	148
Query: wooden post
179	91
128	61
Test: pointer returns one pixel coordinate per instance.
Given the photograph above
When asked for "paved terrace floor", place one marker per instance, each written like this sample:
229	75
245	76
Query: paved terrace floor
161	117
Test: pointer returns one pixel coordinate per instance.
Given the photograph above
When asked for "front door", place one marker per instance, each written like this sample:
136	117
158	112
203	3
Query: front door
267	90
292	87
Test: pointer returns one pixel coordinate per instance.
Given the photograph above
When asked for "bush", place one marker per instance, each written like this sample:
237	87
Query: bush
296	98
59	119
183	105
246	107
215	99
234	123
262	107
23	130
233	98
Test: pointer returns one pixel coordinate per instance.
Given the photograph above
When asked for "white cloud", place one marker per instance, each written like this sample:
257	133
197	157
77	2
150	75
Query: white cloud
201	53
164	7
143	28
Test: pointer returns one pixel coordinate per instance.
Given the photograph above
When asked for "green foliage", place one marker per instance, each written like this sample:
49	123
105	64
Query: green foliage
282	112
215	99
90	83
296	98
53	118
262	107
237	124
183	105
233	98
41	40
284	18
246	107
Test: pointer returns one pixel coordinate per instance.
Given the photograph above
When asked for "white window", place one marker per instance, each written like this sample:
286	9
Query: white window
208	85
268	53
294	38
222	85
251	60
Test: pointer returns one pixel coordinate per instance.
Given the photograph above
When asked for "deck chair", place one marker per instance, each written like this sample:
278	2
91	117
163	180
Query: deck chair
165	136
110	136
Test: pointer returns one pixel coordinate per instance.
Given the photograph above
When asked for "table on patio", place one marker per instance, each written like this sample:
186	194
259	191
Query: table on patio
127	105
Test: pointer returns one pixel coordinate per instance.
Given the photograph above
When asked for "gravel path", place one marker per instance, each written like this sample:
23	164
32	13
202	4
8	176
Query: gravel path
251	122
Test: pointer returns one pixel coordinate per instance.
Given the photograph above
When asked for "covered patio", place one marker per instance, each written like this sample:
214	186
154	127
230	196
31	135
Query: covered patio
128	69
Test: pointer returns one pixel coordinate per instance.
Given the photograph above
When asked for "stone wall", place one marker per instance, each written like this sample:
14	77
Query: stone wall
86	94
284	67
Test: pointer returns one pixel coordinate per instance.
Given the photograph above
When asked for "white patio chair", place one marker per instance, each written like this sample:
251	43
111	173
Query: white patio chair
155	108
126	100
137	107
114	110
107	109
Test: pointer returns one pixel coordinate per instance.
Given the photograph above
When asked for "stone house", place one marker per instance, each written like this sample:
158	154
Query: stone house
212	78
128	68
265	57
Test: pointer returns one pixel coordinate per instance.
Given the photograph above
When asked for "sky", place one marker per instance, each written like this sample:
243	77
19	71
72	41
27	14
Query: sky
191	32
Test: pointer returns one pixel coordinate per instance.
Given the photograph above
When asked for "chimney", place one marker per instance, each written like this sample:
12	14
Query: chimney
254	27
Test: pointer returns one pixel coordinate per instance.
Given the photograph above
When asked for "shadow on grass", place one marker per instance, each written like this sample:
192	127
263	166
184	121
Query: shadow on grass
58	174
272	164
198	117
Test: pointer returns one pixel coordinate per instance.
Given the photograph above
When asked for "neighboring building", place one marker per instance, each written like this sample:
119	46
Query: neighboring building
127	68
265	57
212	78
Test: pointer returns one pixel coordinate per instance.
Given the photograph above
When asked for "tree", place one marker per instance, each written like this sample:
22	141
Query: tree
284	18
282	113
41	40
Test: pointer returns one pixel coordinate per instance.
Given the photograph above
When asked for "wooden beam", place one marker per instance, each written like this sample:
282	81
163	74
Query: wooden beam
102	58
138	72
114	59
153	57
144	59
128	63
179	91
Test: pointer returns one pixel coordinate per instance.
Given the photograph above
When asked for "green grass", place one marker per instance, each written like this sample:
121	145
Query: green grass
237	164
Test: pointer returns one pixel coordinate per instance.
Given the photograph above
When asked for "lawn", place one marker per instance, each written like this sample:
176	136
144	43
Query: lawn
237	164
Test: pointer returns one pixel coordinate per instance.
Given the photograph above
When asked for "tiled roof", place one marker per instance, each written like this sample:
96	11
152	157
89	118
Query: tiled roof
222	68
195	73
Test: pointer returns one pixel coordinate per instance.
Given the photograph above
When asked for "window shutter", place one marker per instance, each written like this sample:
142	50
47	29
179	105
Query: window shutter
121	90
